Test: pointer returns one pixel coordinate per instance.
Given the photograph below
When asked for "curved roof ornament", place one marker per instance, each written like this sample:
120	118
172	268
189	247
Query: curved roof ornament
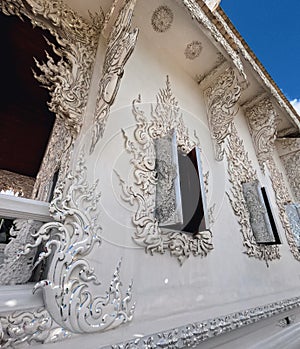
212	4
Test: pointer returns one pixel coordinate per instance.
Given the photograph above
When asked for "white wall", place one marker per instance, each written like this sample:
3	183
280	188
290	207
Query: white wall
166	294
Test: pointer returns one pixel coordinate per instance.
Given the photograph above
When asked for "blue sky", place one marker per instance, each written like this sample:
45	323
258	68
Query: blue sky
272	30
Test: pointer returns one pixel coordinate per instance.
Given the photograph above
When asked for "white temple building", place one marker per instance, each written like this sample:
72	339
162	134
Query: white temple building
155	172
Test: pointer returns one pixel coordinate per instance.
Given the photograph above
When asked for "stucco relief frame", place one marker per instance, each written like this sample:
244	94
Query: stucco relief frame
240	170
67	80
289	153
165	116
262	120
222	90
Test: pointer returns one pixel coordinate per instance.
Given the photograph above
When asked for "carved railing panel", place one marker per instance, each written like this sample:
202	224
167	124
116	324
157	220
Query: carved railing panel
69	290
27	217
16	267
194	334
30	327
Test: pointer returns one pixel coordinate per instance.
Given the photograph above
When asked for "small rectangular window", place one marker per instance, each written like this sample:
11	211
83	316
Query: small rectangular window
293	213
270	215
195	216
261	217
180	192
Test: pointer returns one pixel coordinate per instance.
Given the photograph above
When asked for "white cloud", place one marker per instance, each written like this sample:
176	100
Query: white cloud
296	104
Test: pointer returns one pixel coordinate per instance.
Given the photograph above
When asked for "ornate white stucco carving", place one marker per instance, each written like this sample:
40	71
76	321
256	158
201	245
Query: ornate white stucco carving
291	163
267	81
35	326
287	145
195	333
262	122
17	268
289	152
282	197
57	149
67	79
262	119
198	14
240	170
165	116
71	284
293	212
221	98
121	44
289	320
212	4
19	184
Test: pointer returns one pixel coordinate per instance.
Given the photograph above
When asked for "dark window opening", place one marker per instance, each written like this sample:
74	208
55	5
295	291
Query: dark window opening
25	120
53	184
271	217
192	192
180	192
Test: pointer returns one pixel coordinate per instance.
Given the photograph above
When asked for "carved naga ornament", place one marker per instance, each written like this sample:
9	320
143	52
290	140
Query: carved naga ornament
67	79
71	284
165	116
67	76
221	98
121	43
262	120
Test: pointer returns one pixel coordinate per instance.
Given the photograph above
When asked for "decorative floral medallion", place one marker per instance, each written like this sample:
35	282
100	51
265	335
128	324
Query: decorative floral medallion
162	19
165	116
193	50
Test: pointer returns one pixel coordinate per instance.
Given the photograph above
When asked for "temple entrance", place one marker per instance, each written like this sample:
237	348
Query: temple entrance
25	120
